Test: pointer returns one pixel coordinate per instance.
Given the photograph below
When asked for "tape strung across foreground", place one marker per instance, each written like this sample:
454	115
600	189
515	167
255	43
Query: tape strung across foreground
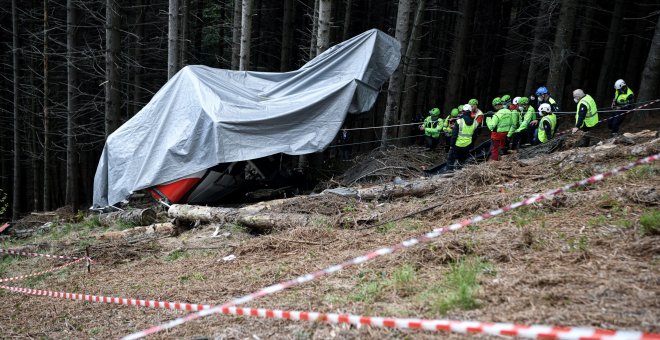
475	327
388	250
22	253
20	277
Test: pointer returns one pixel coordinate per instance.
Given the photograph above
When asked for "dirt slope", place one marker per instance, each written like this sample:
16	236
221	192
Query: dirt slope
587	258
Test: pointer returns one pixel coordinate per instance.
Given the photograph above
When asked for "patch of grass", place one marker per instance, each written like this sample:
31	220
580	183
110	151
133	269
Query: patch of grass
196	276
177	255
385	228
642	171
6	262
92	223
457	289
123	225
596	221
607	202
623	223
650	222
525	216
403	277
411	224
60	231
348	208
579	244
368	292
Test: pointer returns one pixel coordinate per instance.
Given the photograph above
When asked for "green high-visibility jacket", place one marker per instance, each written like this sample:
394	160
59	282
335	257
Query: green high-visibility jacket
465	132
552	119
526	118
501	121
622	98
591	118
432	126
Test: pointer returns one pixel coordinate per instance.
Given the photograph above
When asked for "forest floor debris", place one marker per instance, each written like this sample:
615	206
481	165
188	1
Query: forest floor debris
588	257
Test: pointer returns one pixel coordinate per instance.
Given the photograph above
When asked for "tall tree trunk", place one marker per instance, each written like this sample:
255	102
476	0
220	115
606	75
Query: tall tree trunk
410	69
221	36
394	87
137	56
172	39
287	36
72	106
604	78
47	170
236	36
16	195
112	85
635	64
347	20
185	32
323	36
315	27
246	35
650	85
463	32
561	49
581	61
537	56
34	145
199	30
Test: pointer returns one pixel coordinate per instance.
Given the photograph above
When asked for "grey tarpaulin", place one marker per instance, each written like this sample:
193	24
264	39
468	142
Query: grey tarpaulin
205	116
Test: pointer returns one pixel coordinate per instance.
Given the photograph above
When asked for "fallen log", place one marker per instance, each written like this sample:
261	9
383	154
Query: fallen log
260	219
154	230
140	217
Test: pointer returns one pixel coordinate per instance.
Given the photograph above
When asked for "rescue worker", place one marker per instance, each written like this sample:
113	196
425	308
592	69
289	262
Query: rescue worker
477	114
508	104
448	126
543	96
431	127
623	101
461	138
586	115
499	125
547	125
525	131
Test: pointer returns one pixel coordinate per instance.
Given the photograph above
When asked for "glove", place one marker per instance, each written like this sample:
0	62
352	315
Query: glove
489	114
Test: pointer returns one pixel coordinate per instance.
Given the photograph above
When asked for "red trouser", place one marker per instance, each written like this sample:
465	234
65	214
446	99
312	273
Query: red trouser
498	142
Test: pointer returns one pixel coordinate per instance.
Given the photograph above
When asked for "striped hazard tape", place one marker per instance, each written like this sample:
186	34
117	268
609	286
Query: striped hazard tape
389	250
475	327
42	272
22	253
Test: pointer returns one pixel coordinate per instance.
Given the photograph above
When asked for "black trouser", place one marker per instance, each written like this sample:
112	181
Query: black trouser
430	142
614	123
459	154
447	140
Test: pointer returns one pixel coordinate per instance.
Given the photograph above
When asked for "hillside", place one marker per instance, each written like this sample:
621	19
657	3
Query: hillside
588	257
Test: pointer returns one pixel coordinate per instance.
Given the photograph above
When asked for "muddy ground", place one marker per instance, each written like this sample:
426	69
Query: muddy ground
589	257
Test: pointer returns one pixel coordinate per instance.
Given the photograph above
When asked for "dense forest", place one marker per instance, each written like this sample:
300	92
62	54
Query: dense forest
73	71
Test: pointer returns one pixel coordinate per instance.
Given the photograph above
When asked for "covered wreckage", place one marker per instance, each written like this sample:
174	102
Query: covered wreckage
187	141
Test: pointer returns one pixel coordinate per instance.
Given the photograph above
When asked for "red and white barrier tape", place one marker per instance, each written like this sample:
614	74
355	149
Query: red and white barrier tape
116	300
388	250
22	253
42	272
499	329
612	117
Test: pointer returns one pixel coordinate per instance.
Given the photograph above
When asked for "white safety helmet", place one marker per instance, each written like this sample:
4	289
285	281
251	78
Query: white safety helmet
619	84
545	108
515	100
467	108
